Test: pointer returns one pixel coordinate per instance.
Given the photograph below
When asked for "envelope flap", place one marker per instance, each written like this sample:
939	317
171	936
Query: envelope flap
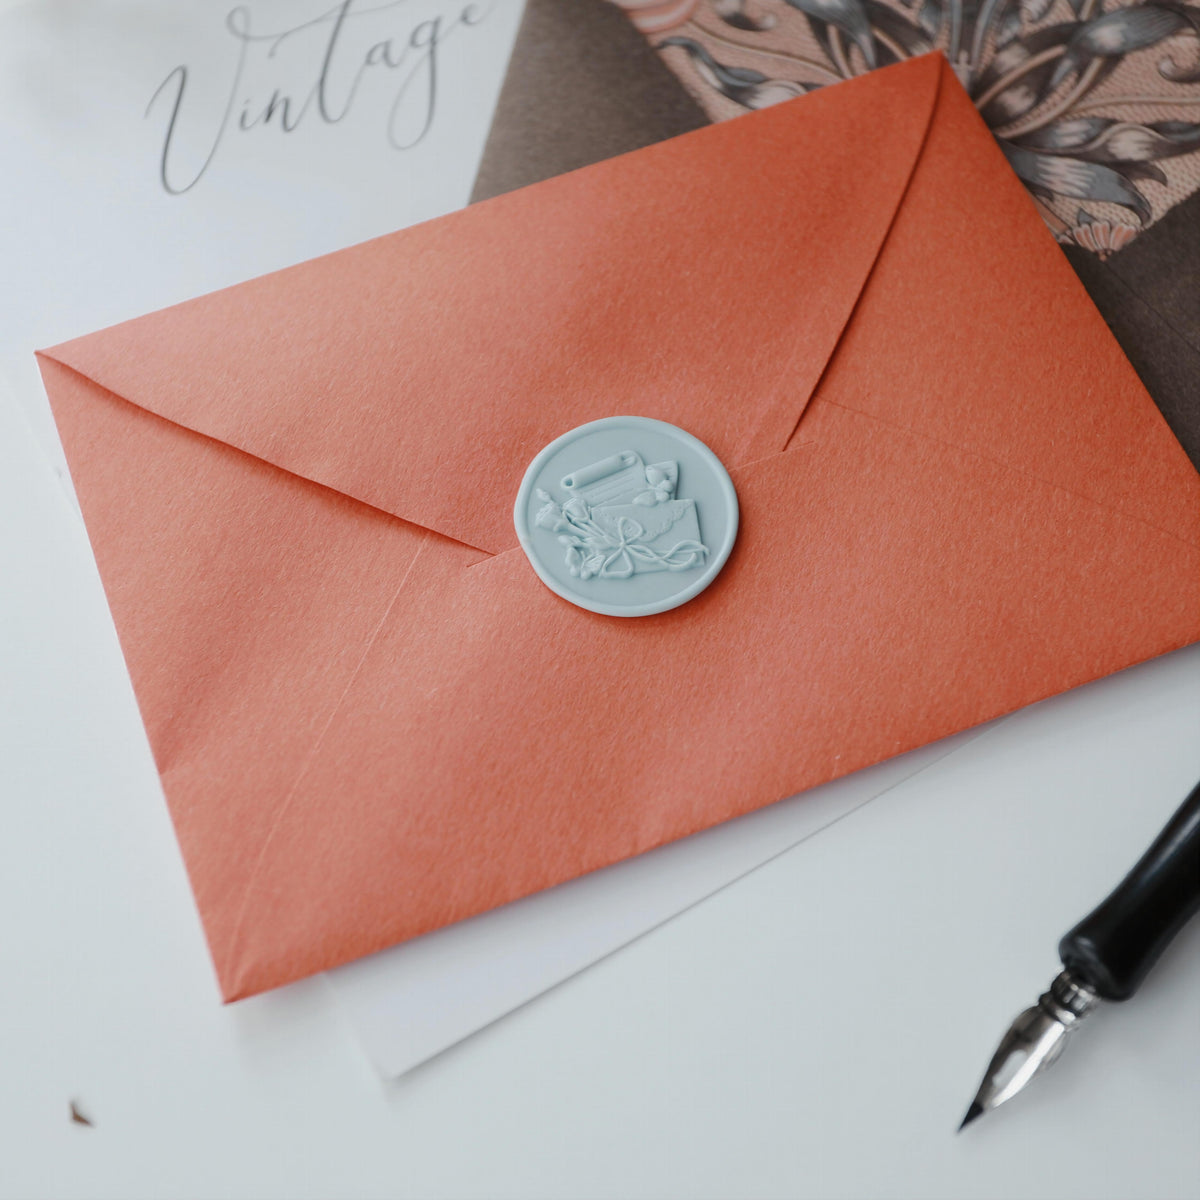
704	281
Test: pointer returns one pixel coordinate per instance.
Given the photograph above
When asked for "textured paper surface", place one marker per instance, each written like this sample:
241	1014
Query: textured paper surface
372	720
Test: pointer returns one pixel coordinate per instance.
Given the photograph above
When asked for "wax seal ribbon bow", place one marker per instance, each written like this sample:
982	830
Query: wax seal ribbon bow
614	549
614	535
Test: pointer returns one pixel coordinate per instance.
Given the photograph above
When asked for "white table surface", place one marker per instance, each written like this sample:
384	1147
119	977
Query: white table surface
815	1030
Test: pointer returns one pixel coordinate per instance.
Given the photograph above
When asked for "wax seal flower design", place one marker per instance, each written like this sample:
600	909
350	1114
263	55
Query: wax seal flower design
662	479
610	516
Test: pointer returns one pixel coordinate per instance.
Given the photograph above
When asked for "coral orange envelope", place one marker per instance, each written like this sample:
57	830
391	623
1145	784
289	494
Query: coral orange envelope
370	717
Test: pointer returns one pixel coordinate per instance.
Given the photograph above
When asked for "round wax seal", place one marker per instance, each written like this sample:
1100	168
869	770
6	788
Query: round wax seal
627	516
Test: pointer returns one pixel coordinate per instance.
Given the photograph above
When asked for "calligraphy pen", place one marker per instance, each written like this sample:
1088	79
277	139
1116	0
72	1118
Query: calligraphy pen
1105	957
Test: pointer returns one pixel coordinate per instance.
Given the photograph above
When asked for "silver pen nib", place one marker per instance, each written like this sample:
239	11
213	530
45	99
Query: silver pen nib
1034	1040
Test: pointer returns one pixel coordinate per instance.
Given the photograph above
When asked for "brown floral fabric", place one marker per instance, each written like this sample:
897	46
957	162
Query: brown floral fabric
1095	103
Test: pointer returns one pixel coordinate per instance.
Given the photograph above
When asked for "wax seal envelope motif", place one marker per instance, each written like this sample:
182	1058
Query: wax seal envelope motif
617	535
372	707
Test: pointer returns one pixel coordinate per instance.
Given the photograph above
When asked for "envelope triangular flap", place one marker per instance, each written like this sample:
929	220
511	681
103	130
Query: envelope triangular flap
705	280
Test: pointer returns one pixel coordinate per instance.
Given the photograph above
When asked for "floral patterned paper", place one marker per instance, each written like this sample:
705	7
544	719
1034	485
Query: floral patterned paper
1095	104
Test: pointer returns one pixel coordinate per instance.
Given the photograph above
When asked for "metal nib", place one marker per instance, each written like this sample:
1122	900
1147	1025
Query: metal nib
1034	1040
976	1110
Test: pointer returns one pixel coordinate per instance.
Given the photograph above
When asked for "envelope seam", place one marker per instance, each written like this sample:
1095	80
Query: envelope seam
866	283
50	356
317	743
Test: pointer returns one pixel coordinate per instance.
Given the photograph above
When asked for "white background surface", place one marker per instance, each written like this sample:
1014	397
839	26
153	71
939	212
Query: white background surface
815	1030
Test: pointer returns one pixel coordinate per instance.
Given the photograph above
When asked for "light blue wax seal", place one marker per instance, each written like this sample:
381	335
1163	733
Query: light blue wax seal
627	516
